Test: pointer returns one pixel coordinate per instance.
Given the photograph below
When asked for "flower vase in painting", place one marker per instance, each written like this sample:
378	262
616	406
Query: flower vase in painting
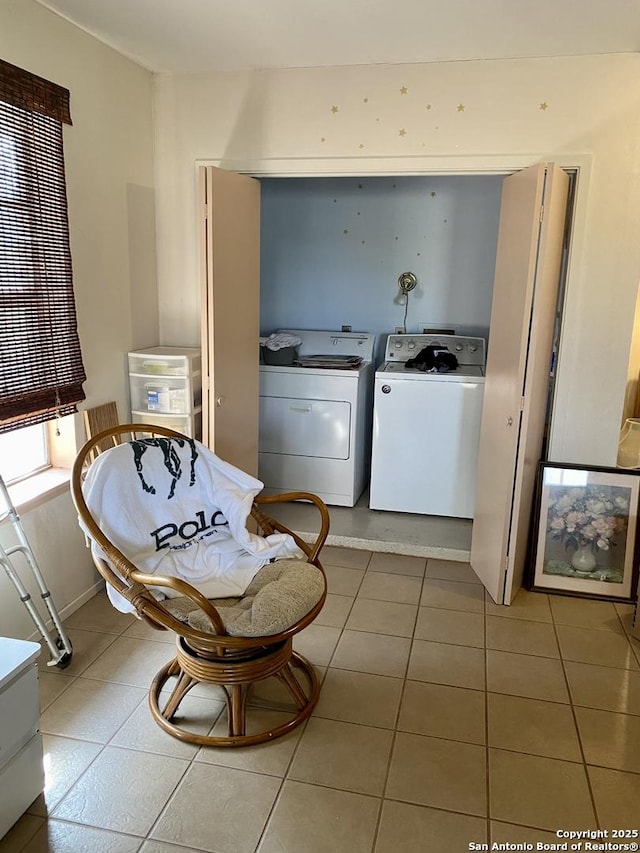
586	526
584	560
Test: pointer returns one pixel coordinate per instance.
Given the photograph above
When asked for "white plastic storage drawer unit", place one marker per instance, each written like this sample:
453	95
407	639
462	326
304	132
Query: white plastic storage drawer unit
166	388
21	770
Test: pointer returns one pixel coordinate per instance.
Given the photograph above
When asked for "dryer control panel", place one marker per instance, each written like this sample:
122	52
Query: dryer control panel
334	343
468	350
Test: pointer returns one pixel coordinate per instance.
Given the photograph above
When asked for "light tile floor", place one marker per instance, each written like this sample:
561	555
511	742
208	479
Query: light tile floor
443	721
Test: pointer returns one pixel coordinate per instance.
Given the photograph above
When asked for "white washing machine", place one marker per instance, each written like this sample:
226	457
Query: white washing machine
315	418
426	428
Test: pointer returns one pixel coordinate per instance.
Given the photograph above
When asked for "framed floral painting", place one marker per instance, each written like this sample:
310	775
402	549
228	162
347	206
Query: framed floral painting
586	531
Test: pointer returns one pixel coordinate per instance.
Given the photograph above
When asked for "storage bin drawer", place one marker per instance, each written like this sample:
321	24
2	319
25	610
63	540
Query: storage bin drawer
164	362
21	780
19	713
190	425
165	394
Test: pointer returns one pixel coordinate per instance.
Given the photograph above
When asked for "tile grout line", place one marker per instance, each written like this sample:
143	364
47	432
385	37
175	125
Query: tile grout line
304	727
486	723
575	718
394	737
143	699
84	740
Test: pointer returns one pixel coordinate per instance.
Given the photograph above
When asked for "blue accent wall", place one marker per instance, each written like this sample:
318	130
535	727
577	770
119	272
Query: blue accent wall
332	250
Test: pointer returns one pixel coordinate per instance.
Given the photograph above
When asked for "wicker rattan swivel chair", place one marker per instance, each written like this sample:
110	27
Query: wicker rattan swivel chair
232	643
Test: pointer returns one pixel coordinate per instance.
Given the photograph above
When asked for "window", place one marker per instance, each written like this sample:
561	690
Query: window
41	371
23	452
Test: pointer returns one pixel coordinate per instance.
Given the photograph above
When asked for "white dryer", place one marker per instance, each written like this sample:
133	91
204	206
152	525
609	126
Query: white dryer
426	428
315	417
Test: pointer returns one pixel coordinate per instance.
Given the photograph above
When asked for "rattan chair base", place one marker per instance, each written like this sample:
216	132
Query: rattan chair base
235	679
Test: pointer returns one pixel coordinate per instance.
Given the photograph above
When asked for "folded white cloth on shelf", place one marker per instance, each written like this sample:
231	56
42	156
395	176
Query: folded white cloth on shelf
280	340
173	507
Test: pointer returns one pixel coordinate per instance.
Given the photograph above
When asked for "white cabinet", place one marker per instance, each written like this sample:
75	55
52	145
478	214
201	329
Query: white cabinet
166	388
21	769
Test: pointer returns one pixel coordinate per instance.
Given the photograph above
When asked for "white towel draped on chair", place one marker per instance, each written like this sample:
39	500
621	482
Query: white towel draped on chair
172	507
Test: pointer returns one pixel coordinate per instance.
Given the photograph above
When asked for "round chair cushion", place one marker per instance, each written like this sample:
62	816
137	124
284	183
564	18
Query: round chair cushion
277	597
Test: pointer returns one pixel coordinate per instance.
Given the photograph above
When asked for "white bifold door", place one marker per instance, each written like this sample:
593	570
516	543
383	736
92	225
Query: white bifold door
528	266
229	236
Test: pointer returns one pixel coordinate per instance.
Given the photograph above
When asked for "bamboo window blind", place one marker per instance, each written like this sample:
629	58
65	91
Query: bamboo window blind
41	370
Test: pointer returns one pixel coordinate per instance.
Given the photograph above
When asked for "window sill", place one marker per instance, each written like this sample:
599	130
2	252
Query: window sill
42	487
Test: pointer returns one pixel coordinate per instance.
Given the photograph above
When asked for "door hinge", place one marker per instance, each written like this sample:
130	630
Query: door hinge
522	401
506	563
541	212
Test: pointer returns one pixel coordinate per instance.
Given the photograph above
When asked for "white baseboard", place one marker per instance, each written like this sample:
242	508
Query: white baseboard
74	605
410	549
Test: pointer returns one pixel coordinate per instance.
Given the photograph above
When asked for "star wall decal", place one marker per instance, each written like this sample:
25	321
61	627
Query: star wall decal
334	109
323	139
402	132
361	145
460	108
428	106
366	100
544	106
403	90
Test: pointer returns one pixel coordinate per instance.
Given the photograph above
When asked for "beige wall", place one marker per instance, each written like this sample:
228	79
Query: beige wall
282	122
108	155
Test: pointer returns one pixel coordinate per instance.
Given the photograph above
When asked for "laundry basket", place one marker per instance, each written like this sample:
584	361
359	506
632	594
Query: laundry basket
283	357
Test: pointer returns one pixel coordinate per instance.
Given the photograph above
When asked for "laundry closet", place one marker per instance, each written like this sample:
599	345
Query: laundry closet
332	251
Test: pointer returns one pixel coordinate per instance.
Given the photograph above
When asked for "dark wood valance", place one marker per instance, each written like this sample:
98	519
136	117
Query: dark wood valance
23	89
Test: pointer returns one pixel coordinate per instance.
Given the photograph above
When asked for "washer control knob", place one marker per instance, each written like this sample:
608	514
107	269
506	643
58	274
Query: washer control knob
386	389
411	345
473	347
459	347
398	344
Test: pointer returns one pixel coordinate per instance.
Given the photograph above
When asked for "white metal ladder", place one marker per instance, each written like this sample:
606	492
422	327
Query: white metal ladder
59	645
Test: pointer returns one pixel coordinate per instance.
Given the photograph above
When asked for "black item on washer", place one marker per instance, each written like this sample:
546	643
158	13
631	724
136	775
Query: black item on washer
434	359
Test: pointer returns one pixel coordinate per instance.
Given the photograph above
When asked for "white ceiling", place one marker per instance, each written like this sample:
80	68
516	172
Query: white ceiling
177	36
